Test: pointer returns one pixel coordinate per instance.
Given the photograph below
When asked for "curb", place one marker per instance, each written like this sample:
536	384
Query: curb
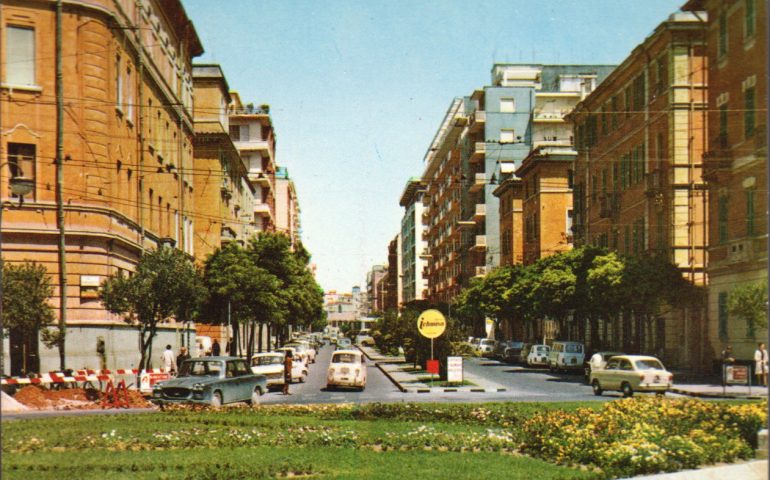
387	374
716	395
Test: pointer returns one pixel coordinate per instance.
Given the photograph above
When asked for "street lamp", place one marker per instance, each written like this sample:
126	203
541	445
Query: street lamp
20	186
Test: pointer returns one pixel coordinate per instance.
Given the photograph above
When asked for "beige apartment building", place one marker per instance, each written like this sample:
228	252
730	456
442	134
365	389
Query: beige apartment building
735	164
638	182
251	130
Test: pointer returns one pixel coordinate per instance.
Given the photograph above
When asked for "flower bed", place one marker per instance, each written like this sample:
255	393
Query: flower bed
646	435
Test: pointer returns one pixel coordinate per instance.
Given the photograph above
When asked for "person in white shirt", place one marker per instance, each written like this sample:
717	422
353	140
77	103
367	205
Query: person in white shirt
596	362
168	360
760	364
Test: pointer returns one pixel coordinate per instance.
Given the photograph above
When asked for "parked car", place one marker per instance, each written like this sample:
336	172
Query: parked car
299	370
512	351
486	347
304	348
566	356
538	355
211	380
632	373
587	363
524	354
269	364
344	343
499	349
365	340
347	369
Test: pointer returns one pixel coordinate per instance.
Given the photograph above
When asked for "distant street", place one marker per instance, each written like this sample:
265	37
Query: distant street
521	384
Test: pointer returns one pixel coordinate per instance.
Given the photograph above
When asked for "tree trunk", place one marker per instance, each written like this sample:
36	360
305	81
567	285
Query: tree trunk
261	336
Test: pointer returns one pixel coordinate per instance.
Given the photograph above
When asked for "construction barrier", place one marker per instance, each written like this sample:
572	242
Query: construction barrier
148	378
115	396
47	378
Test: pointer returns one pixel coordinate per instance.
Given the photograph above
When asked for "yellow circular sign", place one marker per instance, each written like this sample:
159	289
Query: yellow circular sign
431	323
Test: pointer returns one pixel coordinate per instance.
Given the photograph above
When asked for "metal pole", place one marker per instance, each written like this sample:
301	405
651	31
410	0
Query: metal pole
59	185
2	267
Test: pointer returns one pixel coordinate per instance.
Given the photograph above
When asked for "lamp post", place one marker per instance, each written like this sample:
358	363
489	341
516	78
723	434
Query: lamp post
20	186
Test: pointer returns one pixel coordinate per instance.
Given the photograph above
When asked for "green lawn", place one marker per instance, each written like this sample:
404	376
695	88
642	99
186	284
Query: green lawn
385	441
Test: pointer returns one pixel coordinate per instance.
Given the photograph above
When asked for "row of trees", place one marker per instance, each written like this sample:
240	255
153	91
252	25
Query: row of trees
259	290
585	286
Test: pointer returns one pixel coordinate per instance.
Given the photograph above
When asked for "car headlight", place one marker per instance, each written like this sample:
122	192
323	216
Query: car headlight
198	386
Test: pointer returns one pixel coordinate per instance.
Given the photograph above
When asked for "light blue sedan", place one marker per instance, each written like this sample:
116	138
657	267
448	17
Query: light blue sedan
211	380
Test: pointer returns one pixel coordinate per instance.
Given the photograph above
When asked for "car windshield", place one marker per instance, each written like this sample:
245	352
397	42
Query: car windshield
571	348
542	348
267	360
200	368
648	364
344	358
297	346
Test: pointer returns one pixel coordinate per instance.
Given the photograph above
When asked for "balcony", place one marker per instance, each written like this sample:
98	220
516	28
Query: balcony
425	254
477	121
480	272
262	146
480	213
263	209
479	152
654	184
548	117
742	250
227	235
465	224
609	205
719	156
259	177
479	181
480	244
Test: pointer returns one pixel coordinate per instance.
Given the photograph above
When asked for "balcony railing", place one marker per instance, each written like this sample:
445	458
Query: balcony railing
654	183
477	121
479	152
481	271
479	181
481	212
481	243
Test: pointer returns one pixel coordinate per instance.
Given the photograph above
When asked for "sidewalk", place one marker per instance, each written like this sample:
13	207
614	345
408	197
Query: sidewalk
716	391
399	372
752	470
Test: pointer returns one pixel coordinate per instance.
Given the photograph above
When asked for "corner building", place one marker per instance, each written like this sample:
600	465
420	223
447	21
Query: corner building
127	157
638	181
735	165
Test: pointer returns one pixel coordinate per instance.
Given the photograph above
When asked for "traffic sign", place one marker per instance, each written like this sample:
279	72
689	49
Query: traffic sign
431	323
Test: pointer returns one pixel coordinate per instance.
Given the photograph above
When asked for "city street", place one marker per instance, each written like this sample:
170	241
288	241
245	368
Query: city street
520	384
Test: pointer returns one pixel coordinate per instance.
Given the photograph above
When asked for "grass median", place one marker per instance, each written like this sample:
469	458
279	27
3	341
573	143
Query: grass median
321	441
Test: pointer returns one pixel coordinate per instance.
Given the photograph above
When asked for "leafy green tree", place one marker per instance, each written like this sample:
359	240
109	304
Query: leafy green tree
26	290
604	298
165	283
750	303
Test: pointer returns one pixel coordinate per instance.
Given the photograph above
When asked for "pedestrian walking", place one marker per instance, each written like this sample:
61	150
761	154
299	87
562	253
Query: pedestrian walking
288	363
183	355
727	360
760	364
215	348
167	360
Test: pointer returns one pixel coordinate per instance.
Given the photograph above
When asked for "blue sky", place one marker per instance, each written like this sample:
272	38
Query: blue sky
357	90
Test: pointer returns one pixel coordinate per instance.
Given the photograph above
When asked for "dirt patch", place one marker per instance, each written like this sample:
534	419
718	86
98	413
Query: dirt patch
40	398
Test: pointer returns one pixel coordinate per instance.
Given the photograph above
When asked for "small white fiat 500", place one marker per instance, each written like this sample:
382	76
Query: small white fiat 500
347	369
632	373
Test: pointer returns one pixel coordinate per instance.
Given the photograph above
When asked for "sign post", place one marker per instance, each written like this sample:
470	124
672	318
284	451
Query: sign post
431	324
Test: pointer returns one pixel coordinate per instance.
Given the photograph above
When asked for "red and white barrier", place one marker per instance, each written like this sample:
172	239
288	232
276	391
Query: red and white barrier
87	375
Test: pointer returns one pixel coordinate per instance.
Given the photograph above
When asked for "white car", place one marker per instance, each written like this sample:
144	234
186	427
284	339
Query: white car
269	364
485	347
344	343
347	369
538	355
632	373
304	348
299	370
566	356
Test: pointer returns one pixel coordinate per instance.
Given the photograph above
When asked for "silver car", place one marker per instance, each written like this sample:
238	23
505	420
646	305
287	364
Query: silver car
211	380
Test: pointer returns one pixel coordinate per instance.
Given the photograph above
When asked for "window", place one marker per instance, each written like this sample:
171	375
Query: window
118	84
722	139
750	213
722	39
235	133
722	219
21	162
749	113
20	53
507	136
749	23
614	112
662	74
507	105
129	97
722	315
569	222
570	178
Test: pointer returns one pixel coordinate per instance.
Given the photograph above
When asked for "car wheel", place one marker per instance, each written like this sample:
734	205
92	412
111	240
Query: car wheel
597	388
216	400
627	390
661	394
303	377
256	397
